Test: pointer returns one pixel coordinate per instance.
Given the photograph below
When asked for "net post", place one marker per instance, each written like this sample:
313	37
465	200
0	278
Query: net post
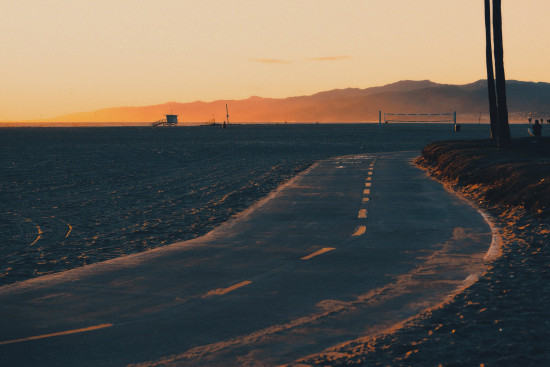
454	117
379	117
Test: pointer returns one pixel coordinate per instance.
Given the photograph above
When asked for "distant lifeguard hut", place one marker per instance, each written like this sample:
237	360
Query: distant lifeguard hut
170	120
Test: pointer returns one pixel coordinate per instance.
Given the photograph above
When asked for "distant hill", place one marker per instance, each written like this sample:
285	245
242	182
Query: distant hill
343	105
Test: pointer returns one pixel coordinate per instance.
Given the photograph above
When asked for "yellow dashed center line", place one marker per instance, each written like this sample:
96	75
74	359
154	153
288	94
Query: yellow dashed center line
317	253
360	231
67	332
221	291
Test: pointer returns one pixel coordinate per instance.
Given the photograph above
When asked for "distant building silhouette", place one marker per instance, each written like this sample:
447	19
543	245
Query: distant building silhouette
170	120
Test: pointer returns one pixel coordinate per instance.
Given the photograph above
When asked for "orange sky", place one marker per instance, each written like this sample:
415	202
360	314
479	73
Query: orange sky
63	56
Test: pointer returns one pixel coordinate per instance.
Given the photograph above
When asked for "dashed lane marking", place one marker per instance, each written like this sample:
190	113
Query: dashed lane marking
362	213
368	184
317	253
366	191
221	291
365	199
360	231
67	332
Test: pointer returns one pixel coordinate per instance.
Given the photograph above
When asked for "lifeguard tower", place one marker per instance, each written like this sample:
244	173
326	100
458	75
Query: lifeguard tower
170	120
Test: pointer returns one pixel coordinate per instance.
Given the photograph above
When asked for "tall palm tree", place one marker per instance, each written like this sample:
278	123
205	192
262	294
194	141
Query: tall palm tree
504	138
493	112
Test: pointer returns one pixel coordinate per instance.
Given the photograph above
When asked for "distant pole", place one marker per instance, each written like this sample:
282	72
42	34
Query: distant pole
379	117
227	112
457	127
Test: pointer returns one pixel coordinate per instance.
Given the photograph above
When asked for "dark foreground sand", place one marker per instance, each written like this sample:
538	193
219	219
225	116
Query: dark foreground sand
504	318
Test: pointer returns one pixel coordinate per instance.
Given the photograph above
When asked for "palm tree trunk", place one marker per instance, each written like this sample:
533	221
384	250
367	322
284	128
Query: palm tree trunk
490	73
504	139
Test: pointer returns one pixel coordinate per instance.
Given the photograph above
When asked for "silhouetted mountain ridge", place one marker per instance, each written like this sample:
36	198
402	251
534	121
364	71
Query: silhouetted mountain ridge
342	105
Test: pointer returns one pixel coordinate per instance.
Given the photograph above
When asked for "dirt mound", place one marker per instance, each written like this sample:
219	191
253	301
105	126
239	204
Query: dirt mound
517	177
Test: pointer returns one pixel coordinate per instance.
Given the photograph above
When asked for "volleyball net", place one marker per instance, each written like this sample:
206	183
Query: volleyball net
417	117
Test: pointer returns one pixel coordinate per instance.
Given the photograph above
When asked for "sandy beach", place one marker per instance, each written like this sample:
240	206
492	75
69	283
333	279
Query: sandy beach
348	247
499	320
81	196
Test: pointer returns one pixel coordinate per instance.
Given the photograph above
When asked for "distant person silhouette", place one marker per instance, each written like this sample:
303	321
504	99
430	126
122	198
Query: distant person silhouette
537	128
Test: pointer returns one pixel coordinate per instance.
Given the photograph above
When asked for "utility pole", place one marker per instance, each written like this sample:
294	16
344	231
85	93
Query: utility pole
227	112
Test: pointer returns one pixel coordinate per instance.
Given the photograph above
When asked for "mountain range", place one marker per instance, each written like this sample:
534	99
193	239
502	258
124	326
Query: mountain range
342	105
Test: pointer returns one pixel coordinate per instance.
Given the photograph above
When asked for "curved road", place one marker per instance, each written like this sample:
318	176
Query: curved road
352	246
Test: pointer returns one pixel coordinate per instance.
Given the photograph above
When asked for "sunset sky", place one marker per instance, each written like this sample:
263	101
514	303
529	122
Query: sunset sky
64	56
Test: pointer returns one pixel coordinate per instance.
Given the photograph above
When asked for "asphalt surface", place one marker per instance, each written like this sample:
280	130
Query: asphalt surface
350	247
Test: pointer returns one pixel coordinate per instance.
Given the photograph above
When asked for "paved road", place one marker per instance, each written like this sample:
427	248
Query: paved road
351	246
